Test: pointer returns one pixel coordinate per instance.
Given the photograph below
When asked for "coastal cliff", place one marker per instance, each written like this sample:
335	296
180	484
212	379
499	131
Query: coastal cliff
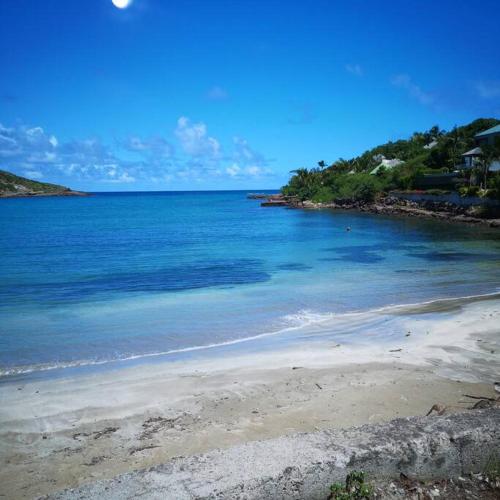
15	186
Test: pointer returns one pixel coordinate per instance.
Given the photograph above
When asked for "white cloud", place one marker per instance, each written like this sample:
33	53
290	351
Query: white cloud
354	69
237	171
33	174
16	140
31	150
405	82
488	89
254	170
244	153
38	154
157	147
233	170
124	178
194	139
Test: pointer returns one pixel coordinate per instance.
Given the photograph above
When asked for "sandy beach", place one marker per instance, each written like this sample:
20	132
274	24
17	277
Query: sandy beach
64	432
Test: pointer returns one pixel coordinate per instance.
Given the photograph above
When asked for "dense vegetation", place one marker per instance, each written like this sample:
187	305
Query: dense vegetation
11	184
433	152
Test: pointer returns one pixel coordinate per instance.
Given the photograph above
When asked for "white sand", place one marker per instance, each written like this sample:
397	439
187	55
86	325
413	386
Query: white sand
61	433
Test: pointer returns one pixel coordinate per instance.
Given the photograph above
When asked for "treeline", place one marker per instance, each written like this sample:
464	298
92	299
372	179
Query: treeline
433	152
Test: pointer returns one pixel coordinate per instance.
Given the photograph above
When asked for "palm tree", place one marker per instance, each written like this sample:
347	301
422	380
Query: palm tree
455	144
302	182
342	165
489	154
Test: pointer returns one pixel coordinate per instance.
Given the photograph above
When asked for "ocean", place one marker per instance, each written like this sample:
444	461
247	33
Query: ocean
114	278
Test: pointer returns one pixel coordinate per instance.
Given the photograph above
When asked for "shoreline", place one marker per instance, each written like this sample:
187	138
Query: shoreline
62	433
409	211
387	206
29	373
43	195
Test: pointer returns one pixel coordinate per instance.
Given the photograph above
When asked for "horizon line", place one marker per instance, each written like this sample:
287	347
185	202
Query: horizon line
182	191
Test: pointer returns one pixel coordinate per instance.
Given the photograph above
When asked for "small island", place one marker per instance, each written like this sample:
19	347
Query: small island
14	186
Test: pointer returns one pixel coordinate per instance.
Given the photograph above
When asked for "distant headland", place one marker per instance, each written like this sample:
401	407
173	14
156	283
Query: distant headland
13	186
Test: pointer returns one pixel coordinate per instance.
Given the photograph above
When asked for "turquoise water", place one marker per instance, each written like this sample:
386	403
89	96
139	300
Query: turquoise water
132	275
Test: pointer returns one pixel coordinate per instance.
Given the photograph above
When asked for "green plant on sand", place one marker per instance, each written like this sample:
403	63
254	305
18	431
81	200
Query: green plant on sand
492	468
354	488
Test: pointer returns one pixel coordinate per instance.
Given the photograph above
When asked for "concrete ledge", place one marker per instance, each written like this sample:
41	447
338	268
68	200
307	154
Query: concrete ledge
304	465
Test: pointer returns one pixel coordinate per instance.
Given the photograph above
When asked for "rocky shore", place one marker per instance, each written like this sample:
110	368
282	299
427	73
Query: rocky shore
35	194
306	465
392	205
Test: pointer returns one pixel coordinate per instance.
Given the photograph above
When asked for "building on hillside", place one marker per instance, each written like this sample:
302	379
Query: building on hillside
431	144
471	158
386	164
488	136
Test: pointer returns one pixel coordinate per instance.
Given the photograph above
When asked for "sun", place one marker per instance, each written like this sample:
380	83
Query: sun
122	4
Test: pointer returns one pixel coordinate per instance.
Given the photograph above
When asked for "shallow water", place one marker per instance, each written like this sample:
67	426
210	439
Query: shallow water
117	276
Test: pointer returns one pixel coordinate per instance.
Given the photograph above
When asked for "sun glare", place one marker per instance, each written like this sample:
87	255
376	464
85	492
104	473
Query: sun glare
122	4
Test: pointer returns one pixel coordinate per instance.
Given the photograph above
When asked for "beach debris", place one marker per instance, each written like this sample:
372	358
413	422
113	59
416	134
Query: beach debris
96	460
483	404
473	486
156	424
496	386
255	412
133	451
80	434
395	350
96	434
318	386
105	432
438	408
478	397
69	451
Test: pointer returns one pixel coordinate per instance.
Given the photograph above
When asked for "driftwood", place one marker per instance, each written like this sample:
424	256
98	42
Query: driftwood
483	403
479	397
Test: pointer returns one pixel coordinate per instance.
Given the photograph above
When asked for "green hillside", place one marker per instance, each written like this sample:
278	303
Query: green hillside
432	152
14	185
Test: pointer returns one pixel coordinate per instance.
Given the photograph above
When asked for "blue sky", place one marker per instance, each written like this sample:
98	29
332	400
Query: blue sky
231	94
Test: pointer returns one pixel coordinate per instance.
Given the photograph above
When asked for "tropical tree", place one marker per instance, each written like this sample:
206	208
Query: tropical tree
455	144
489	154
303	183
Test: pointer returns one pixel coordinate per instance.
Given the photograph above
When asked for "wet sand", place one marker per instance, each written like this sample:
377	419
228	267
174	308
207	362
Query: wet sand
61	433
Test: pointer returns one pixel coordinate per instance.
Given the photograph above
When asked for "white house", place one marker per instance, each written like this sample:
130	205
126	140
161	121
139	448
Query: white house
386	164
